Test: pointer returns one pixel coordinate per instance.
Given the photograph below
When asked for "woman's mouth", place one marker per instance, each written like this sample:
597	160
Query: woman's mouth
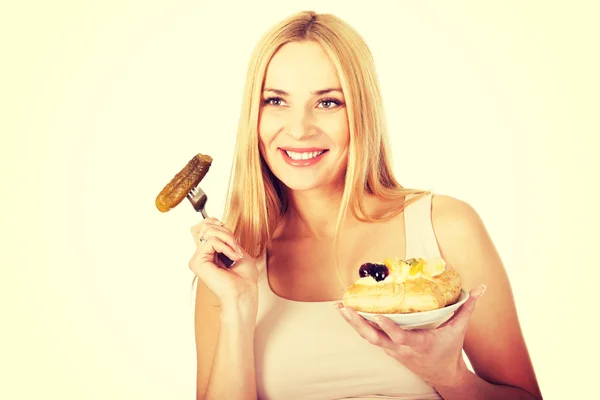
302	157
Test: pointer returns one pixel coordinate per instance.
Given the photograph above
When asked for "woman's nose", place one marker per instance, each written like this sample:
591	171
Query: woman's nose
301	125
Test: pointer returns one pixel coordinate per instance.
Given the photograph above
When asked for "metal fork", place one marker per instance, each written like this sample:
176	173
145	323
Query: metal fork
198	198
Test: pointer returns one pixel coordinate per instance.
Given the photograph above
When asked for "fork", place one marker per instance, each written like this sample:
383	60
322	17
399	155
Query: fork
198	198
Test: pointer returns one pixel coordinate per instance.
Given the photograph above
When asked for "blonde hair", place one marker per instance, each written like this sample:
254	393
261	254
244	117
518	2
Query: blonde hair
256	200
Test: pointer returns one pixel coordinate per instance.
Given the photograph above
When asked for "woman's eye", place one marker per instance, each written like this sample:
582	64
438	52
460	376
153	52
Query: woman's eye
274	101
329	103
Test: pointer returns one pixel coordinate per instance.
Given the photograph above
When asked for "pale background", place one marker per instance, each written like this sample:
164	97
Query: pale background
103	102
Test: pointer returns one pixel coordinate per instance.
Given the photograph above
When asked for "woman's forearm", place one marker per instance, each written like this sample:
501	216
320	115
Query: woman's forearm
233	375
472	387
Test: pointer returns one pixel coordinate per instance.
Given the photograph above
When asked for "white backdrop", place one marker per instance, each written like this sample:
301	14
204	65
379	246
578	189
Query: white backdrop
103	102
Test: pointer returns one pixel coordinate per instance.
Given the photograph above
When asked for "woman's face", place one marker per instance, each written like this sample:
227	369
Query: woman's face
303	125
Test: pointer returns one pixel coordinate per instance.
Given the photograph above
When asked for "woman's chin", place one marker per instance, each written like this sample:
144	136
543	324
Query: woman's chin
304	185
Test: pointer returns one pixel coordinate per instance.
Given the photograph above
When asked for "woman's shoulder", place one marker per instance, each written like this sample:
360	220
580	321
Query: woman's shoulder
455	213
444	208
460	231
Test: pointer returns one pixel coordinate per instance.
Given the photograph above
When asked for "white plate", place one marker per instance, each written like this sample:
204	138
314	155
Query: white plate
424	319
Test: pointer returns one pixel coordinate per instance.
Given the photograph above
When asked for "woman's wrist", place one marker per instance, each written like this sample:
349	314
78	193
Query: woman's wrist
240	310
457	378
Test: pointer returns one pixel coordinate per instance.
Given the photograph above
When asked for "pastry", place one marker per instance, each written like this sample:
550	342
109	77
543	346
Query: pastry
403	286
185	180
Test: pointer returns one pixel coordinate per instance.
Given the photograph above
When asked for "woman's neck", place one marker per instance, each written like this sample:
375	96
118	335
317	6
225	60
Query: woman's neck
313	214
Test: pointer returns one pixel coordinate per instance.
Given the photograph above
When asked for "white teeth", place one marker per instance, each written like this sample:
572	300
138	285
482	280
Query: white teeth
303	156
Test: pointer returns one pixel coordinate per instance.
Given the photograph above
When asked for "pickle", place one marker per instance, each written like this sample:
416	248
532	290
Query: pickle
184	181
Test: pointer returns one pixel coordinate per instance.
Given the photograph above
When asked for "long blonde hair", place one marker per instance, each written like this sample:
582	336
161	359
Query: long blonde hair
256	200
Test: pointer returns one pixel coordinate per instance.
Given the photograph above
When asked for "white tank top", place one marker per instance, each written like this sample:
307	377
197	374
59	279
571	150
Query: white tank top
305	350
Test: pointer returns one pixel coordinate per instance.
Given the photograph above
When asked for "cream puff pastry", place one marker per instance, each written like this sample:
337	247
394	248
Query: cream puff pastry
403	286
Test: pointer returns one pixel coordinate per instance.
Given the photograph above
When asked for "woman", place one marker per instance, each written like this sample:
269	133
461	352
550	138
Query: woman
312	197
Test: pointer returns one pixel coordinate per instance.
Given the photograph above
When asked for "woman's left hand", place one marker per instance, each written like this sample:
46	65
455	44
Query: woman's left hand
435	355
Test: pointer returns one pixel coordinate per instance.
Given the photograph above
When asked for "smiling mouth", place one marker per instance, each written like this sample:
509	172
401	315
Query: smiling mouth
305	155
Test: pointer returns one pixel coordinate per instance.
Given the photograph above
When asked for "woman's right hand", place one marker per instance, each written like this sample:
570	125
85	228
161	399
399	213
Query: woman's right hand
236	285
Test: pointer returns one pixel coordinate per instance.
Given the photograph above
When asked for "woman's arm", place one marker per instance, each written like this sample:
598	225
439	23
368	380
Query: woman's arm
224	347
473	387
494	342
224	334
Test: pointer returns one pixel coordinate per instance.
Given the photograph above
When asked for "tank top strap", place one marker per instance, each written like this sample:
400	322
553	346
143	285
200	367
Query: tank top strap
420	237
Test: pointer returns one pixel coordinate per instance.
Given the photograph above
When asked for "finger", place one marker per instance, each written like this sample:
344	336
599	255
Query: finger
364	329
398	335
198	229
223	234
214	221
216	244
205	231
202	266
462	316
207	221
373	324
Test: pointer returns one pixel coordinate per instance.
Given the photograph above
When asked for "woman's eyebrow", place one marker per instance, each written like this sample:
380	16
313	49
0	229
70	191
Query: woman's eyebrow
316	92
